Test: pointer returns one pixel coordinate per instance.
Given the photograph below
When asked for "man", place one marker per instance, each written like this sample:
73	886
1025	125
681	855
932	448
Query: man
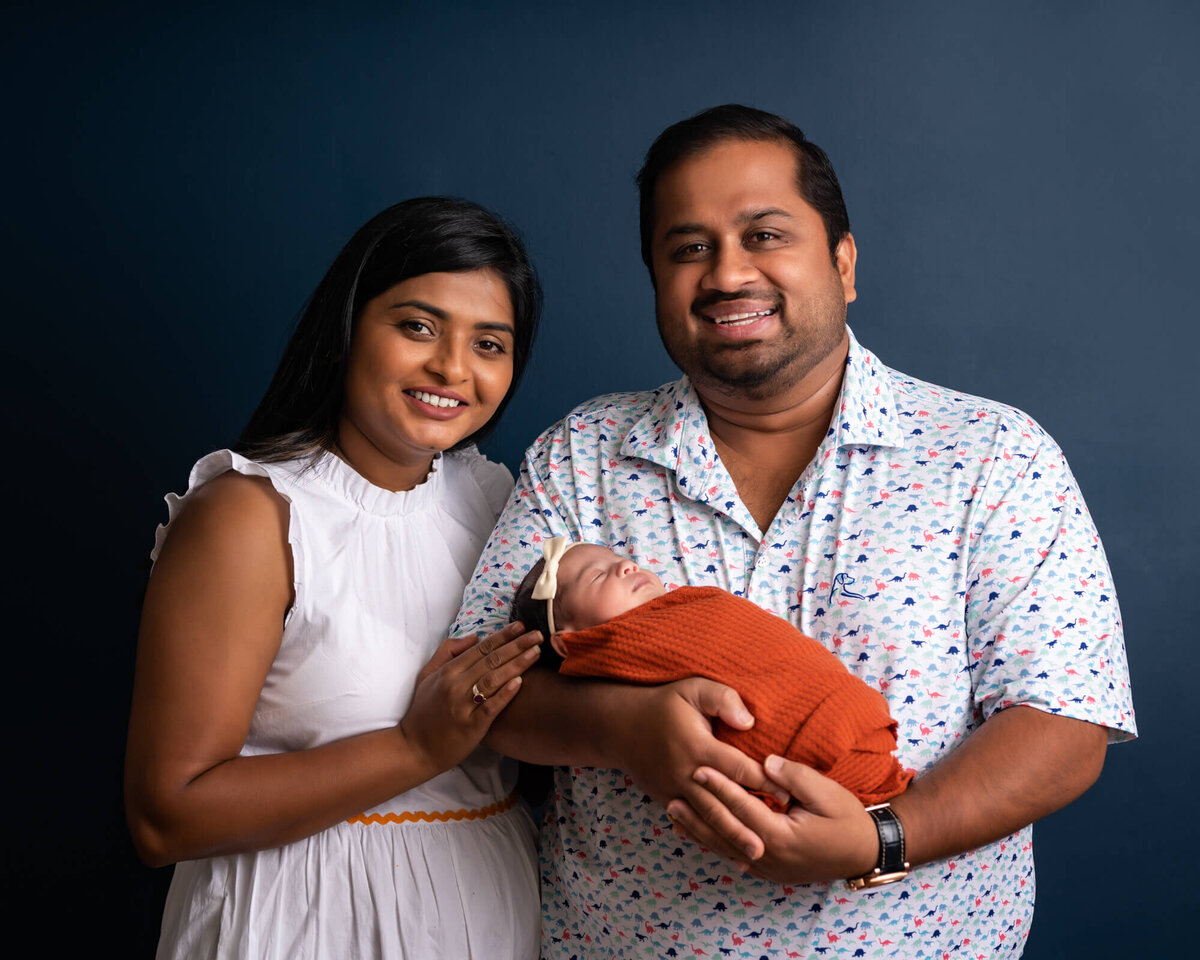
937	542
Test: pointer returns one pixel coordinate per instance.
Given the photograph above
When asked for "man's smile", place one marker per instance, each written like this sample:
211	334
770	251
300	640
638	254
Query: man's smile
737	319
736	311
746	318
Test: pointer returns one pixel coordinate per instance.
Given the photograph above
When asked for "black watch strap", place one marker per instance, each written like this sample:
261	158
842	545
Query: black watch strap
891	865
891	838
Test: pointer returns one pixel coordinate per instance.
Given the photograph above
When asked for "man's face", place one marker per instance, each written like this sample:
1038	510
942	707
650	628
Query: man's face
748	299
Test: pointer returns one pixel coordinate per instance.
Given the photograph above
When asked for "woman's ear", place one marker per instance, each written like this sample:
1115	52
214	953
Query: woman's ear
557	643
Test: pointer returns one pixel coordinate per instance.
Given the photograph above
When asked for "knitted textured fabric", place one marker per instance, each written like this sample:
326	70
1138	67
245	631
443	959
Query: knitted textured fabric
806	705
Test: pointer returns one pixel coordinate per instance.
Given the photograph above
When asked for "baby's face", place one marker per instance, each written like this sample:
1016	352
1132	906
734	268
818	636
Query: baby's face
595	585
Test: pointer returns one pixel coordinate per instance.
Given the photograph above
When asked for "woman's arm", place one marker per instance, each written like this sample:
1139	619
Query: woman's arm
211	627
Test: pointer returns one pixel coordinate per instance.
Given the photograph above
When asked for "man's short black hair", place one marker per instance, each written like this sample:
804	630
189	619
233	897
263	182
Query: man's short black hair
817	182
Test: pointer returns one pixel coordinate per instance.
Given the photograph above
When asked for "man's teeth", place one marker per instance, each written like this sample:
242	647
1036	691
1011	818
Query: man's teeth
741	319
433	399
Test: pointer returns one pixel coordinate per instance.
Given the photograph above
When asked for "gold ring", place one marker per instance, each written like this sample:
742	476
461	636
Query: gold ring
476	695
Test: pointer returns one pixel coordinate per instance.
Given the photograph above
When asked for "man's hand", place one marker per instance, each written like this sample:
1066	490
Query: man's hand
665	735
1019	766
826	834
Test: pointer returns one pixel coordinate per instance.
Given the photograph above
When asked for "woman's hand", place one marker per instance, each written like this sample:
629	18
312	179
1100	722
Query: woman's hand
447	720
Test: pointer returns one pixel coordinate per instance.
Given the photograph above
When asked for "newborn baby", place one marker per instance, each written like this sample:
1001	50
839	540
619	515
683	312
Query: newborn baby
606	617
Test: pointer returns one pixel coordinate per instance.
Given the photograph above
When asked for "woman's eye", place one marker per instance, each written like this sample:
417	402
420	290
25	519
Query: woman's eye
492	346
415	326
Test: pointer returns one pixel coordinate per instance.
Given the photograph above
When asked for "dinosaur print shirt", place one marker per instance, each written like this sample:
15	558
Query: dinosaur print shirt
937	543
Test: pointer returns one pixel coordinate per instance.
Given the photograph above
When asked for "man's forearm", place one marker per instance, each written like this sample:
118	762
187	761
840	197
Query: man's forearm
658	735
554	720
1019	766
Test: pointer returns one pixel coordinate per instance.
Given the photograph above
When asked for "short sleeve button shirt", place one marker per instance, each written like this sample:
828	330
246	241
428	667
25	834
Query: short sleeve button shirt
937	543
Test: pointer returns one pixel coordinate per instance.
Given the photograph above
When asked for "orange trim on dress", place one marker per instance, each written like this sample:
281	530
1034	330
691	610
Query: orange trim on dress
442	816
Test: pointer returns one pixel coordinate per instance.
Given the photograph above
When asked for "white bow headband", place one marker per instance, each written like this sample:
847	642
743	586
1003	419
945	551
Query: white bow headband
547	584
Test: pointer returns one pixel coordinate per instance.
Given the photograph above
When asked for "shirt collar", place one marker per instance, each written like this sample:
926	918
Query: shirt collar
866	410
673	433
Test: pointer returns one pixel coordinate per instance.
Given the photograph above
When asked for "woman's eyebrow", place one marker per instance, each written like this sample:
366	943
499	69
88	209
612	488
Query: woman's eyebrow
421	305
492	325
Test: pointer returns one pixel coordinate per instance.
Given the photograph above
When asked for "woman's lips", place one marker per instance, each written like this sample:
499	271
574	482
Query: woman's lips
441	405
435	399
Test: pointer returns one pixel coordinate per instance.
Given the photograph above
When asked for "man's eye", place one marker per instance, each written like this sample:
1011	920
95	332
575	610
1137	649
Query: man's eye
763	236
691	250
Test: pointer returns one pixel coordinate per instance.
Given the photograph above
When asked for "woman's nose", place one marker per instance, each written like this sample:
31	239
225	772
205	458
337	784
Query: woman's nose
448	362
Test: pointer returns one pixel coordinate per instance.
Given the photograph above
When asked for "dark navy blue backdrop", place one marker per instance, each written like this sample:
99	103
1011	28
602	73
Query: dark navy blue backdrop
1022	183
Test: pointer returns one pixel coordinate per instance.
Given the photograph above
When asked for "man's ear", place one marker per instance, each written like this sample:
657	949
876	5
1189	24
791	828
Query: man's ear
557	643
845	258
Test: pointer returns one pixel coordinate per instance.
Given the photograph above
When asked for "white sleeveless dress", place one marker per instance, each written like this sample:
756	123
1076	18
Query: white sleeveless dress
447	869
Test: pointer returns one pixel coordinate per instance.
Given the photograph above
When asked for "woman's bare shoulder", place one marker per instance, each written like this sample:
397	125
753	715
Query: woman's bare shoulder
237	520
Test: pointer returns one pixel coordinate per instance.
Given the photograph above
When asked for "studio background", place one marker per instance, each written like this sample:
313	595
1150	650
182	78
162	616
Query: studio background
1022	185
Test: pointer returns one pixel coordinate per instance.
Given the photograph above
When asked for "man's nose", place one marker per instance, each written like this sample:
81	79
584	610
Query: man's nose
731	268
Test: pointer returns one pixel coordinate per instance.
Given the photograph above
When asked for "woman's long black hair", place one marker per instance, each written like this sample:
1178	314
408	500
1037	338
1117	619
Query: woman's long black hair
299	413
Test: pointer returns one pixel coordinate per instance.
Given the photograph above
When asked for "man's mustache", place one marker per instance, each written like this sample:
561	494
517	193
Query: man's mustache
711	300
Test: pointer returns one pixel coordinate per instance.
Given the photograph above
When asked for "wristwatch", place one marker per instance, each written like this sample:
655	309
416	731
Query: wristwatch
892	865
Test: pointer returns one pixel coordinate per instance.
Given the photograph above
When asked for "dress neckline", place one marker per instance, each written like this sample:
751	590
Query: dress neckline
333	472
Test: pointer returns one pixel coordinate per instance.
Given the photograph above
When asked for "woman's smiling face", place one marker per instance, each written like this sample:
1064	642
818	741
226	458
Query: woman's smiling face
430	362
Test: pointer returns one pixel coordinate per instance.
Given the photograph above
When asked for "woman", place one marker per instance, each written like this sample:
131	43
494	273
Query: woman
302	740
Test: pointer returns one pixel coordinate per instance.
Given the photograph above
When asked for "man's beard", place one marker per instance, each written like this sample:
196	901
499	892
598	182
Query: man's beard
758	369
